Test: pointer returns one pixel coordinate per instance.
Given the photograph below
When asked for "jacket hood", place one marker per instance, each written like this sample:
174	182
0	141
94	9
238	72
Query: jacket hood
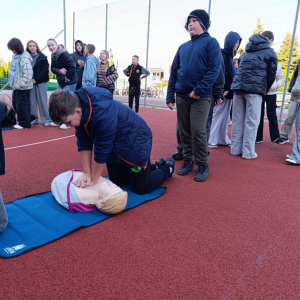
77	55
26	55
230	40
95	93
94	59
257	42
195	37
82	44
61	49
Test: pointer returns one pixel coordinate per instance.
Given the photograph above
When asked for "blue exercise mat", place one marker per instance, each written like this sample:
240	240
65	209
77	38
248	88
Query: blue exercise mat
37	220
6	128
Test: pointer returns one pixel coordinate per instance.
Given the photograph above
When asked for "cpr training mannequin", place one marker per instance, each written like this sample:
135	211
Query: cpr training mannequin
104	195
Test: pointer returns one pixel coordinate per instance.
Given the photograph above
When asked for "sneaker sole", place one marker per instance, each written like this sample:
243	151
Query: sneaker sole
184	174
291	161
212	146
200	180
282	143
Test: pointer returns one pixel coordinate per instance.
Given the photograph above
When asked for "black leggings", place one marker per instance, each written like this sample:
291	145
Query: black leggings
141	181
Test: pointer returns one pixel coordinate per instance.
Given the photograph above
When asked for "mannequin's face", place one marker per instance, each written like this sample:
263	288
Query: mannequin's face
102	190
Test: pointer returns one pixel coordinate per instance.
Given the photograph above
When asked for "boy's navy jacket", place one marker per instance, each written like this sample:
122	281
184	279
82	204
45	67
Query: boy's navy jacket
196	67
257	67
113	128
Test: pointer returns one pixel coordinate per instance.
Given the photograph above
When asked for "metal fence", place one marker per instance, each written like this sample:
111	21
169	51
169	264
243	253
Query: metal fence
154	29
31	20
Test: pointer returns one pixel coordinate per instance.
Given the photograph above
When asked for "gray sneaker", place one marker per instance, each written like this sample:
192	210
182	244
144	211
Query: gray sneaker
202	173
186	167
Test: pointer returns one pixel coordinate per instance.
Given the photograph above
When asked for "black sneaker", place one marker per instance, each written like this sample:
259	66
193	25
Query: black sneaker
160	162
170	162
186	168
282	141
202	173
177	155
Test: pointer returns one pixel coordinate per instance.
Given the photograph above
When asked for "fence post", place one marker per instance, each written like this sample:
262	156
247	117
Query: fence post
209	6
65	43
147	51
73	31
289	63
106	27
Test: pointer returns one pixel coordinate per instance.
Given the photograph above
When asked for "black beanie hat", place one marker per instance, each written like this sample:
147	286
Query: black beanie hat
202	16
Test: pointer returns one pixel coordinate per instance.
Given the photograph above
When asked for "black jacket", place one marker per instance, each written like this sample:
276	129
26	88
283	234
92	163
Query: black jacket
3	110
76	56
295	75
41	69
60	61
257	67
218	87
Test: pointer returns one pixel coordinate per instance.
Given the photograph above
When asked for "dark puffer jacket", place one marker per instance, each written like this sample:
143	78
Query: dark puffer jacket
112	128
41	69
64	60
231	39
257	67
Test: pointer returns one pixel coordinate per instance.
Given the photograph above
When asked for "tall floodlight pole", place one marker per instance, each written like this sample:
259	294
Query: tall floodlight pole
106	27
65	43
209	6
73	31
289	63
147	51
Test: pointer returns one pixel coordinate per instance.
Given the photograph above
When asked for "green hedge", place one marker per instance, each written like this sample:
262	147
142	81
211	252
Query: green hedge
51	86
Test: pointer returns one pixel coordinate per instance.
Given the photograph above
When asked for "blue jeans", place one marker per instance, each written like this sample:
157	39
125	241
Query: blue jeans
70	87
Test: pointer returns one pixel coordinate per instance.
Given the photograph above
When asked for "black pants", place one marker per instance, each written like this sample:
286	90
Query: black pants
78	86
270	101
21	104
141	181
134	92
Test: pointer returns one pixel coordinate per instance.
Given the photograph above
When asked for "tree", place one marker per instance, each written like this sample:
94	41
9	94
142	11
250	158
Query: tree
284	52
241	51
2	72
111	56
259	28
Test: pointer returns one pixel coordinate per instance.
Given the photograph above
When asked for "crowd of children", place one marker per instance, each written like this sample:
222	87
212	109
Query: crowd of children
205	82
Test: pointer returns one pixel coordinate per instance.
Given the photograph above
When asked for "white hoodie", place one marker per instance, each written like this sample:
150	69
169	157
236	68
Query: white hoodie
279	80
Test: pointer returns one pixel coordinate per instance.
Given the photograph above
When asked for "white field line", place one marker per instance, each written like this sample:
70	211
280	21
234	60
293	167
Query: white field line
65	137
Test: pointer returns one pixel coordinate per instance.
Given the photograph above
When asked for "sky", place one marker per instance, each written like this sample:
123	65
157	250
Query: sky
128	20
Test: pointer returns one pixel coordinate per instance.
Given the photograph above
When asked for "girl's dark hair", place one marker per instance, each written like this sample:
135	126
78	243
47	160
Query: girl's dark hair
16	45
52	40
268	34
37	46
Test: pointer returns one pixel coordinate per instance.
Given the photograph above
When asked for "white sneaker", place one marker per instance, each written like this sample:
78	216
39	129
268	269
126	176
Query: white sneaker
64	126
212	146
291	161
46	124
53	124
230	123
255	156
35	121
18	126
288	155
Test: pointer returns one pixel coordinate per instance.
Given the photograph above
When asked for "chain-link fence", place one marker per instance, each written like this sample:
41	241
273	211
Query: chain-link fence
29	20
154	29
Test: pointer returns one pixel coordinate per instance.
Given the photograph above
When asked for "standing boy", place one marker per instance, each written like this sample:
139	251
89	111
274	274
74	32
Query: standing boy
135	74
253	80
195	68
89	77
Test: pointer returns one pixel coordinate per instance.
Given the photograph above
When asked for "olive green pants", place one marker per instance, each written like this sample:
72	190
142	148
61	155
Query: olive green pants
192	116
